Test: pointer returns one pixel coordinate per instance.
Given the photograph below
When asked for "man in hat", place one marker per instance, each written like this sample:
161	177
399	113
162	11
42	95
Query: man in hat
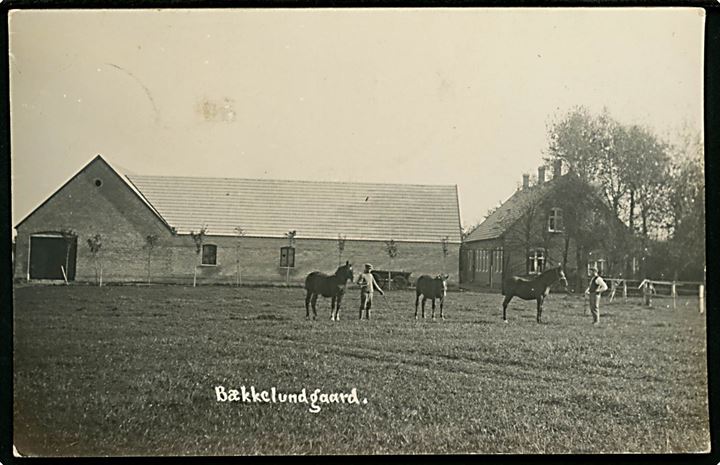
367	282
596	287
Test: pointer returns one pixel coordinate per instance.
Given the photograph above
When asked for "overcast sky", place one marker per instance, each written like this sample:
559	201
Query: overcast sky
431	96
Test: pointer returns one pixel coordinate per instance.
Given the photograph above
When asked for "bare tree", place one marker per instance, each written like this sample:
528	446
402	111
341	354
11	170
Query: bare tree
392	250
525	234
239	234
290	236
340	247
95	244
445	243
150	243
69	236
198	238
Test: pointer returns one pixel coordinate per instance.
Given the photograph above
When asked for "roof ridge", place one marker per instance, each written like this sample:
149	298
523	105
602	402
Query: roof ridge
365	183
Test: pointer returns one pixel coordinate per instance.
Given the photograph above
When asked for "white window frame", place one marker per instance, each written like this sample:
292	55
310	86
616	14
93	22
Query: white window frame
498	262
554	223
537	257
598	264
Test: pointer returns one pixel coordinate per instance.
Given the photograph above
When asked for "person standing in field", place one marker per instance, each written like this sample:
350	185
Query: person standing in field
367	283
648	291
595	289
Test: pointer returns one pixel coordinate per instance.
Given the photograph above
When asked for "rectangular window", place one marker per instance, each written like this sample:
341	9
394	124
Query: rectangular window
599	264
536	261
498	263
209	254
555	220
287	257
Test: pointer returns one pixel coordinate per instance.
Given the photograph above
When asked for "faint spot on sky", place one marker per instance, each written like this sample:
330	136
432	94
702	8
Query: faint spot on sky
216	111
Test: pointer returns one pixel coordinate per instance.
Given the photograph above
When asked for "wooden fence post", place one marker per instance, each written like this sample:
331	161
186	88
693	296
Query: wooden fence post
624	291
673	291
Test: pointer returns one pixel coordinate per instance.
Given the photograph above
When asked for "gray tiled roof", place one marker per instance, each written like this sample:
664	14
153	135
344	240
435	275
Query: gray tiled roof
321	210
510	211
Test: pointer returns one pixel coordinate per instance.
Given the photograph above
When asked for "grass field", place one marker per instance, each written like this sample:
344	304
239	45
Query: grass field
132	370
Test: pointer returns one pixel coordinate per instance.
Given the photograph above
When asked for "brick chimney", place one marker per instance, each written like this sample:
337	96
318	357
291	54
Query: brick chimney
526	181
557	169
541	174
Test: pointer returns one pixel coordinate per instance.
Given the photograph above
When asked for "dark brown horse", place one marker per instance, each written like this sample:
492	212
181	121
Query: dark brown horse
431	288
333	286
532	289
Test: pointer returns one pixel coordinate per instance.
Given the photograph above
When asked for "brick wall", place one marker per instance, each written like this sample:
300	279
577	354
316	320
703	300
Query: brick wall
111	210
260	259
123	220
527	233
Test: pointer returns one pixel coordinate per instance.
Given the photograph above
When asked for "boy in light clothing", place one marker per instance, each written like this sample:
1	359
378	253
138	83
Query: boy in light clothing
595	289
367	282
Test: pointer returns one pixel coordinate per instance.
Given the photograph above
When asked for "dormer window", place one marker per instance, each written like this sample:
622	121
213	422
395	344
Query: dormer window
555	223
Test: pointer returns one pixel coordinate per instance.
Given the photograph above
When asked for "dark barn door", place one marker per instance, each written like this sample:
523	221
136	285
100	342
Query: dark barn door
48	254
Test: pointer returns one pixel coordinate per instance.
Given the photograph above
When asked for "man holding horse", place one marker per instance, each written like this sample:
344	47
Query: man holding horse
595	289
367	282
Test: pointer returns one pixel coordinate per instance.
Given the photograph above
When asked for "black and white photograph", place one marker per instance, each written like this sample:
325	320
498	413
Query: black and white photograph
358	231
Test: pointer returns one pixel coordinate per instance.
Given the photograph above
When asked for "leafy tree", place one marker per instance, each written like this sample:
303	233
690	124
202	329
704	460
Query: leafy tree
614	147
629	167
687	212
587	223
575	139
645	169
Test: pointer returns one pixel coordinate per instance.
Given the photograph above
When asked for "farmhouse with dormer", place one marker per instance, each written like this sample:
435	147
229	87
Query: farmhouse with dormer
557	221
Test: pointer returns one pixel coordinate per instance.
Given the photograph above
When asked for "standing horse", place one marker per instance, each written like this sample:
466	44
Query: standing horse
318	283
532	289
431	288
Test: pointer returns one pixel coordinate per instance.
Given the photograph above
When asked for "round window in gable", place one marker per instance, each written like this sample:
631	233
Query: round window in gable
98	182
